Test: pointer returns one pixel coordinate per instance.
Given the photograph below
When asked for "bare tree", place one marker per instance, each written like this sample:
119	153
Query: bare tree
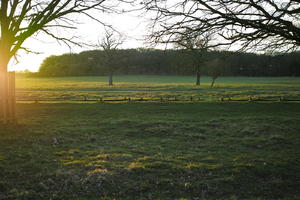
22	19
110	43
214	69
249	24
197	45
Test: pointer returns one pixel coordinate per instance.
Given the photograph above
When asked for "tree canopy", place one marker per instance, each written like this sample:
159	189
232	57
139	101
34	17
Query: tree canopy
265	25
171	62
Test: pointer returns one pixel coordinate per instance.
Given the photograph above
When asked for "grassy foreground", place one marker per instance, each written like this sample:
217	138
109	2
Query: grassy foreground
152	151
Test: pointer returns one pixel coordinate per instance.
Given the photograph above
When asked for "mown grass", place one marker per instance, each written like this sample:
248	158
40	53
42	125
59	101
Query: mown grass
47	82
156	87
131	151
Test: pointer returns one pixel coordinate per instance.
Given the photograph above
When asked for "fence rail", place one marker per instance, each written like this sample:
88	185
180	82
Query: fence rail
7	97
191	99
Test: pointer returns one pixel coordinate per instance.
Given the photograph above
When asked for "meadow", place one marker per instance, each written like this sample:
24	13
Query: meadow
167	150
170	151
156	87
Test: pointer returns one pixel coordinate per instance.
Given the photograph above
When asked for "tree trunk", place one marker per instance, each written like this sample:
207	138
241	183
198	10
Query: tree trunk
198	78
7	81
213	82
110	79
3	62
7	103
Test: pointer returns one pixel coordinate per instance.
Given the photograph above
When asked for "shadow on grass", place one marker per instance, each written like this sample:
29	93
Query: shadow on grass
152	151
92	174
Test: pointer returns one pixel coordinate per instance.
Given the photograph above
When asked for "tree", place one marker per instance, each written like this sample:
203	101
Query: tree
198	44
22	19
265	25
214	69
110	42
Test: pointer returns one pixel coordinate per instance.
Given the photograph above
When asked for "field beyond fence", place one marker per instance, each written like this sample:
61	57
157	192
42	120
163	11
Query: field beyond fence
156	88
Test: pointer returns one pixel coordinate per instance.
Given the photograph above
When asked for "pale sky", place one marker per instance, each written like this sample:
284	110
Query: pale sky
90	31
132	26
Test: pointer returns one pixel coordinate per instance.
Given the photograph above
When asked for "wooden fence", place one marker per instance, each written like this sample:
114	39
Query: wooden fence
7	98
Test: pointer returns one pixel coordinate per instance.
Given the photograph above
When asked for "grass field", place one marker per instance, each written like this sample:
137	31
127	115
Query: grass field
156	87
129	151
152	150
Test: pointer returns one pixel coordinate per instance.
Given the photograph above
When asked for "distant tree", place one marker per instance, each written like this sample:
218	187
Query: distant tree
214	69
266	25
109	43
170	62
197	45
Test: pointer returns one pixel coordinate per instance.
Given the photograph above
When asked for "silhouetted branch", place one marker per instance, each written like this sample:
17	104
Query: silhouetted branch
249	24
21	19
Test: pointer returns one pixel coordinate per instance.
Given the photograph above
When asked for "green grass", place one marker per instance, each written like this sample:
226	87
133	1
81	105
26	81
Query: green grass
140	151
155	87
25	82
125	82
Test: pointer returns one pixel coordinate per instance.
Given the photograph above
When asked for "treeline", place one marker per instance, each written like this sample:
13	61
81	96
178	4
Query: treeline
169	62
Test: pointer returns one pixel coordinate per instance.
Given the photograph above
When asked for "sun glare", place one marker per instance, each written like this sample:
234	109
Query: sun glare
26	62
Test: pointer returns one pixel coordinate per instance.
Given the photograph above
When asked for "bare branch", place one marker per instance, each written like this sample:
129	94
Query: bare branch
21	19
250	24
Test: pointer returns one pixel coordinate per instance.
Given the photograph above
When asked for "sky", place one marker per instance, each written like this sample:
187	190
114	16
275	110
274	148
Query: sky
132	27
